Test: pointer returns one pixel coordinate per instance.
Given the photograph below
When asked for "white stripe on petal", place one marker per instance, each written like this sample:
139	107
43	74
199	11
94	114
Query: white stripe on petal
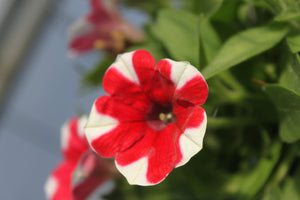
50	187
177	69
98	124
65	135
124	65
189	73
191	141
81	124
135	173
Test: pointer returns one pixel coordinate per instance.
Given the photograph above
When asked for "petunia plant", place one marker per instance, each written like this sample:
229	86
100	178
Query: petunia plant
157	113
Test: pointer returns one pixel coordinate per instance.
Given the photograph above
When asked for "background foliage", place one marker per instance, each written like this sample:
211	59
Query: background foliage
248	51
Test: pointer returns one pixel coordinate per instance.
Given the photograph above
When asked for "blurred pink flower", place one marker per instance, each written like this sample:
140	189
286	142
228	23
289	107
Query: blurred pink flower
152	121
82	173
103	28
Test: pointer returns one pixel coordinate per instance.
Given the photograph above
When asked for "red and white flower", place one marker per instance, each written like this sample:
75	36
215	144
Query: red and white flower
102	28
152	120
81	174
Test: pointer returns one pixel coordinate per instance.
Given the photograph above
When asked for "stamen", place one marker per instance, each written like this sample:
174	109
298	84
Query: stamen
99	44
162	116
79	175
166	117
169	116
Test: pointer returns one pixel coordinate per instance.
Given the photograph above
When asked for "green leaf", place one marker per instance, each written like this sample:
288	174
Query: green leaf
290	78
288	107
178	32
294	42
291	187
243	46
254	181
210	40
207	8
227	11
291	190
94	77
288	15
272	193
248	185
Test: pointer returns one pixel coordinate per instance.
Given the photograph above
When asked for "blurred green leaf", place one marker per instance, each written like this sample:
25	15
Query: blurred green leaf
94	77
291	190
288	16
178	31
227	11
272	193
288	106
294	42
207	8
247	185
243	46
290	77
291	187
210	40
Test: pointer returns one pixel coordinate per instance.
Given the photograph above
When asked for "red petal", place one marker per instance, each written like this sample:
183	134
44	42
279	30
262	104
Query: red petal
62	182
156	86
161	148
140	149
195	91
188	117
73	144
143	62
117	84
124	110
159	89
94	175
166	154
191	86
83	43
99	14
119	139
83	190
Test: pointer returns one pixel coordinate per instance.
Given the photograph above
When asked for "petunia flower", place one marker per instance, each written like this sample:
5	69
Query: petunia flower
81	174
152	121
102	28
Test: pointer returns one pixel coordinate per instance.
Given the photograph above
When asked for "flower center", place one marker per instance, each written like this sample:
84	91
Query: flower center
159	116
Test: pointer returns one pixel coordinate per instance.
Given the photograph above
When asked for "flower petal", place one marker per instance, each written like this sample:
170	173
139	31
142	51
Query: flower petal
102	190
121	78
135	172
83	43
90	176
173	70
191	86
123	110
150	159
73	140
118	139
192	121
113	126
189	82
58	185
143	63
99	14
